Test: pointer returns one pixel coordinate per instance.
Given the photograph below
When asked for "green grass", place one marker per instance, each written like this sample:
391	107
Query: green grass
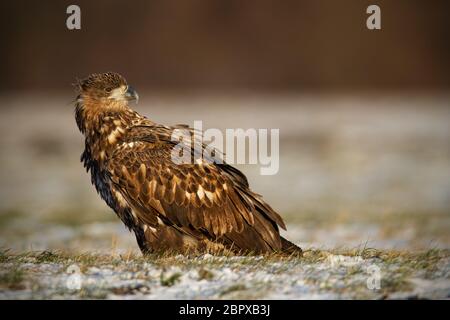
168	281
12	279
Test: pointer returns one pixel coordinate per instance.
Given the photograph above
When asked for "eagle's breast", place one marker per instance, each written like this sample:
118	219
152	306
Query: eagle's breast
101	141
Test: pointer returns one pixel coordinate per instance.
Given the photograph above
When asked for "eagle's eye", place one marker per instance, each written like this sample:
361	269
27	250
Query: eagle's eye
109	89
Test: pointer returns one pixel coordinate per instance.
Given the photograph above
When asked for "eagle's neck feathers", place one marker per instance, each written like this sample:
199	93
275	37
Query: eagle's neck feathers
104	125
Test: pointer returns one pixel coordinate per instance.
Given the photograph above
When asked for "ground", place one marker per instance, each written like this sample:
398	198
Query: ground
319	274
364	188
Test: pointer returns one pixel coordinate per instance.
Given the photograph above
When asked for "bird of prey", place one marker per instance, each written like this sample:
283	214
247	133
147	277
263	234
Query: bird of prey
200	207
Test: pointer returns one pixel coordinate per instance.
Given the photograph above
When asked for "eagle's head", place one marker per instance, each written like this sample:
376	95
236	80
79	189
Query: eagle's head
106	87
100	93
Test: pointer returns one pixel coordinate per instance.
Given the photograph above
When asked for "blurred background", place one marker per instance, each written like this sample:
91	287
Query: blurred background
363	114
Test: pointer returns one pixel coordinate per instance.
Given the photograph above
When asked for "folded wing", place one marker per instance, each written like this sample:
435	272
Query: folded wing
201	199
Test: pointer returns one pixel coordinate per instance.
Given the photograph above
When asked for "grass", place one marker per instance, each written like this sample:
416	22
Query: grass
205	274
168	281
424	259
12	279
4	255
233	288
396	266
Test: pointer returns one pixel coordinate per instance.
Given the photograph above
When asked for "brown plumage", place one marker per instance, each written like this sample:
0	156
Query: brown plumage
200	207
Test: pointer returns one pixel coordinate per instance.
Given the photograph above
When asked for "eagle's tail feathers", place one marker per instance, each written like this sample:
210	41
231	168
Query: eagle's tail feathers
290	248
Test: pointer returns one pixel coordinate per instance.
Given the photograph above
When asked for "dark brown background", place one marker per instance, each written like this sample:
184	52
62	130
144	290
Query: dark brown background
228	44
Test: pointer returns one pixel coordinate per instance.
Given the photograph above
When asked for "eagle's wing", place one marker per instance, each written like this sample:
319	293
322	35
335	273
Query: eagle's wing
202	197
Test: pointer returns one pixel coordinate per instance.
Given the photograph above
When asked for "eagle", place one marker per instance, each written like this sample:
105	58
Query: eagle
199	207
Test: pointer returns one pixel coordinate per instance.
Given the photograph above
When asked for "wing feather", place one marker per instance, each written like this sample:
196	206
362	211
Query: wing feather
201	196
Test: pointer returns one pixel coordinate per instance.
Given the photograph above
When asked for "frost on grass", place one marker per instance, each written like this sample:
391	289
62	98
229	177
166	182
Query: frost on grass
319	274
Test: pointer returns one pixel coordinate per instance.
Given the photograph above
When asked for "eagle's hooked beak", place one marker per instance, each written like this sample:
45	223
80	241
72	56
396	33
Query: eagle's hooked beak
131	94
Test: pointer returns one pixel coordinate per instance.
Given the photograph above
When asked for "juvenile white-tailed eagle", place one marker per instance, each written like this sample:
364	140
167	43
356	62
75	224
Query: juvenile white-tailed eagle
199	207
